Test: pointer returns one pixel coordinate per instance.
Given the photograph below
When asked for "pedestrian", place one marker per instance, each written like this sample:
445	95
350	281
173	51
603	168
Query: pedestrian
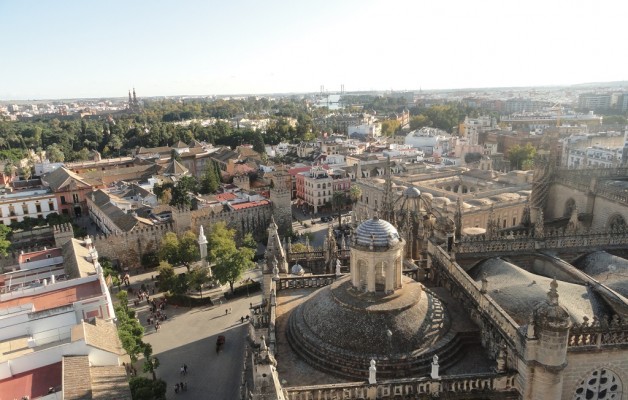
230	309
182	370
176	388
241	320
182	385
226	311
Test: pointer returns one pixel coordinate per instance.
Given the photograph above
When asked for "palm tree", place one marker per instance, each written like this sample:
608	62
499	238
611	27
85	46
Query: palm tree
354	194
337	201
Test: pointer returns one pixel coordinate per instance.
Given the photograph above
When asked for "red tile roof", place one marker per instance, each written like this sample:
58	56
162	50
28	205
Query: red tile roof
249	204
225	196
294	171
34	383
57	298
39	255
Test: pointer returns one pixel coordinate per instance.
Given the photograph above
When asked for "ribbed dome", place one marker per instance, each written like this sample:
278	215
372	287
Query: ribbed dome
412	192
297	270
377	232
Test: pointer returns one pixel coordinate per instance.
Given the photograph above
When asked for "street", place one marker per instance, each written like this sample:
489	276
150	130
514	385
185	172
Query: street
189	336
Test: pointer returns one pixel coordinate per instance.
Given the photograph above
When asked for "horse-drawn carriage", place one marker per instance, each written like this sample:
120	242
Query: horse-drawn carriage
220	343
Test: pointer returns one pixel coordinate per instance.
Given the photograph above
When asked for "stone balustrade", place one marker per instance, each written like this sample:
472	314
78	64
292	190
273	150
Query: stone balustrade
555	239
486	305
600	332
309	281
501	386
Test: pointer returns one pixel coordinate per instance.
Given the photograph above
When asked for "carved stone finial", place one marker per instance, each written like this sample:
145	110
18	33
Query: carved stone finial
552	295
372	373
435	368
484	283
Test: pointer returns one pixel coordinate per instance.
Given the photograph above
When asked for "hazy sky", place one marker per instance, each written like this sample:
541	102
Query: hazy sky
60	49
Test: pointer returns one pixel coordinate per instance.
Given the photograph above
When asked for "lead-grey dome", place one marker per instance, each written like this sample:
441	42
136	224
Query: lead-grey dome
412	192
376	232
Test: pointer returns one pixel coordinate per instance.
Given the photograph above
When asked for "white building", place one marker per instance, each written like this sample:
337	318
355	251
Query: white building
47	301
36	203
472	127
594	157
429	140
365	130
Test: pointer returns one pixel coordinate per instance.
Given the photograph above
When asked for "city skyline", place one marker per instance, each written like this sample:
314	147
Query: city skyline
95	50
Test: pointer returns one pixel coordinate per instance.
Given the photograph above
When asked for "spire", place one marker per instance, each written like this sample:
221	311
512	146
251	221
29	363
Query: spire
458	220
134	98
552	295
130	100
387	202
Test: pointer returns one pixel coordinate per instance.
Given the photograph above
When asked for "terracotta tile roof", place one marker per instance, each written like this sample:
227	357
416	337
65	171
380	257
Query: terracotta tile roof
77	383
57	298
225	196
34	383
39	255
249	204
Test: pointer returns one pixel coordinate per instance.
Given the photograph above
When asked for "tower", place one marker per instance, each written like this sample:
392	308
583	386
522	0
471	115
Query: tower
134	98
275	255
130	100
387	203
281	200
546	349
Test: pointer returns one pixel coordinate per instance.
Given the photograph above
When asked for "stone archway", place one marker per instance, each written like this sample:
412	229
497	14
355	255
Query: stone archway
380	276
363	271
570	204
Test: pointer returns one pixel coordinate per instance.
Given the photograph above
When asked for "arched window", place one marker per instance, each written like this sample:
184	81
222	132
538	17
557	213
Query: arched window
600	384
569	207
616	222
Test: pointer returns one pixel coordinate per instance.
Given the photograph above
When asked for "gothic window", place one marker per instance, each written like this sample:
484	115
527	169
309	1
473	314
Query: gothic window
600	384
569	206
616	222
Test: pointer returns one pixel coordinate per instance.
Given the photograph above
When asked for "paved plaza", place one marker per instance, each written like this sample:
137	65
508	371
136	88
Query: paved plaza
189	336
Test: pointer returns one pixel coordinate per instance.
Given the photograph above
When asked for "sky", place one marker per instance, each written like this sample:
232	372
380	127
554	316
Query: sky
78	49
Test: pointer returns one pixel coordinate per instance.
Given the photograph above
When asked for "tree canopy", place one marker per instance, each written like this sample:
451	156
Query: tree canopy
179	251
522	157
230	262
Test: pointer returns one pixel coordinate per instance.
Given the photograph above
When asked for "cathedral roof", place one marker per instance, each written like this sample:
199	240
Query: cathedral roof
519	291
607	269
376	232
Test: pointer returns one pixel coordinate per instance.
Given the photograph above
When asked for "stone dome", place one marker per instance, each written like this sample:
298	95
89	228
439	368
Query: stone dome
376	232
339	330
412	192
297	270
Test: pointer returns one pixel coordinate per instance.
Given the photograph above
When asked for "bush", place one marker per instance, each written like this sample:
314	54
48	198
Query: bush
187	301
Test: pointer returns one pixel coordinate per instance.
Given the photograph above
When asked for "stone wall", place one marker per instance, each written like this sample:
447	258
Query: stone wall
128	248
